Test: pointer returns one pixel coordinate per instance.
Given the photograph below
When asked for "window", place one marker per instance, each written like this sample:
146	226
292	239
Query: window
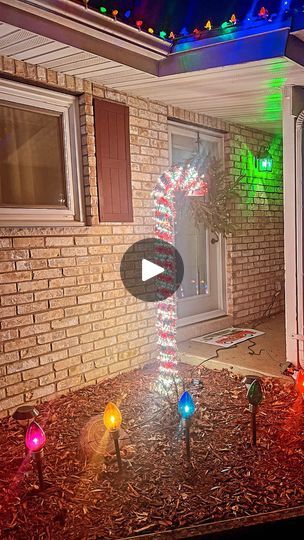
39	156
113	161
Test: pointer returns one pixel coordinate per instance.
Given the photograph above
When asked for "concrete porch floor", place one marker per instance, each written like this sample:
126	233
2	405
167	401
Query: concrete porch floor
271	362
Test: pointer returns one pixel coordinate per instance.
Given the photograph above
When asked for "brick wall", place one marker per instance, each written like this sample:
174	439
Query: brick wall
66	319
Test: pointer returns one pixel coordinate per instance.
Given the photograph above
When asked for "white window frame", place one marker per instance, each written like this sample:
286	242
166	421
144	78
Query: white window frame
66	105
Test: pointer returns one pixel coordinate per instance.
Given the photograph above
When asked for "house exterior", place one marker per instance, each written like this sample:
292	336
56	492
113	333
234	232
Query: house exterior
66	318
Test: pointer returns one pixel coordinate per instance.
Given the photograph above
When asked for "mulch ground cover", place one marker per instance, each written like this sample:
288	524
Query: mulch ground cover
158	489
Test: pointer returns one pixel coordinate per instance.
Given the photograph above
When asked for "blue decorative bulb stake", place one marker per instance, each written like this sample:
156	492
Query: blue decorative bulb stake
186	409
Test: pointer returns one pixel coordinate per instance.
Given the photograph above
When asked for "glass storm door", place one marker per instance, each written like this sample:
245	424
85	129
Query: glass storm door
201	295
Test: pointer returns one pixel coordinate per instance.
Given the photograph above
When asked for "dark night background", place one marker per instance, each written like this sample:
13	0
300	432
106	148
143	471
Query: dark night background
177	14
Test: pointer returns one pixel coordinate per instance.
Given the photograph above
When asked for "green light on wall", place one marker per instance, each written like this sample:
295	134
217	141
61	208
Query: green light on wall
264	164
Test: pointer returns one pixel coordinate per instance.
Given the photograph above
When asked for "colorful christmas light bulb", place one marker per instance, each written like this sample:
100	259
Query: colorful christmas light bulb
128	14
162	34
103	9
115	13
263	13
186	406
35	437
171	35
139	24
150	30
233	19
208	25
255	394
112	417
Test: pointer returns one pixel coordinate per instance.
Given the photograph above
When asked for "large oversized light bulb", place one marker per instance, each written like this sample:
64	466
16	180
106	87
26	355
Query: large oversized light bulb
112	417
186	406
35	438
300	382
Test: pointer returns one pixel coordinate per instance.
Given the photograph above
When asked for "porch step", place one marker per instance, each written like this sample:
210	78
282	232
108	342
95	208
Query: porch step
205	327
243	370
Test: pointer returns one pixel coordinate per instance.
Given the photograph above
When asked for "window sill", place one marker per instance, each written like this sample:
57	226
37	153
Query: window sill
39	223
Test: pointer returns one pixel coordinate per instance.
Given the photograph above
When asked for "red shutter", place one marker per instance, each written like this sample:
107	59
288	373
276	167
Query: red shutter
113	161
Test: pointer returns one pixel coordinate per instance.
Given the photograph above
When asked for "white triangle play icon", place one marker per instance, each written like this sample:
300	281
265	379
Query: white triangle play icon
150	270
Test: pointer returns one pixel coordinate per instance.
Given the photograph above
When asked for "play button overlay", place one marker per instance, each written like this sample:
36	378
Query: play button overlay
152	270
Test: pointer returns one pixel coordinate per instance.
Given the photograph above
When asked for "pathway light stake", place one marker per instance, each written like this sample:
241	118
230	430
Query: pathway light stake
24	415
255	397
34	441
112	420
186	409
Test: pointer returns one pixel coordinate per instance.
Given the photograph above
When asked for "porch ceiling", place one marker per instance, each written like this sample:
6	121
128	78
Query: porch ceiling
248	93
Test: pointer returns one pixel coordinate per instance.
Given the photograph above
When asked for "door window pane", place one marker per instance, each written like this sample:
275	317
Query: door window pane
32	172
191	242
191	237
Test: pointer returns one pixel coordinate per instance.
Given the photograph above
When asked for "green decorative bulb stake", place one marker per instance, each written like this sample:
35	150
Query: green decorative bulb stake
255	397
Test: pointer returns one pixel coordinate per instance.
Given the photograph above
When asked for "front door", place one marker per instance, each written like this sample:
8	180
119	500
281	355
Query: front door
202	293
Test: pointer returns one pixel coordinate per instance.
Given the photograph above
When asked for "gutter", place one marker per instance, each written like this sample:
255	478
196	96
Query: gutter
228	50
70	23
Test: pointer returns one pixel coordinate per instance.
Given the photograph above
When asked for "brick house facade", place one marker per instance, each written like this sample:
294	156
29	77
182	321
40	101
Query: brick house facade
66	318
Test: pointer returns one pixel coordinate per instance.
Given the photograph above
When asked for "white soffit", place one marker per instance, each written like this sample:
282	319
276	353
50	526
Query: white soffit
35	49
248	94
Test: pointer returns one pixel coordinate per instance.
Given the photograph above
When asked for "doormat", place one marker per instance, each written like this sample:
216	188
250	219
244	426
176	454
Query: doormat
228	336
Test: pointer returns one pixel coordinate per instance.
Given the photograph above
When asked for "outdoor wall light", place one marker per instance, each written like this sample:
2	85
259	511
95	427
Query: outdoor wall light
112	420
264	162
35	440
24	415
186	409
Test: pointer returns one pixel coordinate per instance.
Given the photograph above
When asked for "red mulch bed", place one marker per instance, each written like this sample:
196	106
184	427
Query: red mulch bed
158	490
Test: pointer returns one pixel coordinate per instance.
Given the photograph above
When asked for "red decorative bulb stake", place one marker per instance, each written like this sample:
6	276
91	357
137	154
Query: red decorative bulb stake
139	24
300	382
35	440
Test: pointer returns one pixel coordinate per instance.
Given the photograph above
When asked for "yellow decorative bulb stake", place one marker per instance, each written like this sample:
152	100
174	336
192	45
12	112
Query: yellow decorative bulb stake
208	25
112	417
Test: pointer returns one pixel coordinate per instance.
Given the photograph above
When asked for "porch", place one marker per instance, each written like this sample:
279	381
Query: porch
264	356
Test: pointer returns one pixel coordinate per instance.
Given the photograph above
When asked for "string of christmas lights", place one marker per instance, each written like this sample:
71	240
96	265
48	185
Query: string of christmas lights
261	17
177	179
